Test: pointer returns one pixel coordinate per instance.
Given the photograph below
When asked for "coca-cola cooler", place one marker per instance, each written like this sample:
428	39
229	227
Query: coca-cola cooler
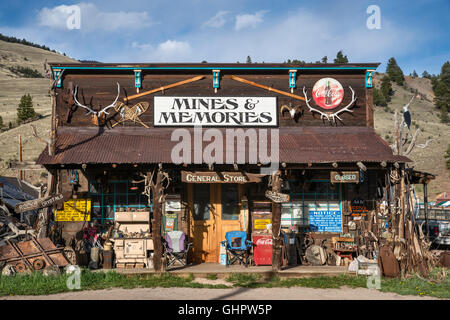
262	249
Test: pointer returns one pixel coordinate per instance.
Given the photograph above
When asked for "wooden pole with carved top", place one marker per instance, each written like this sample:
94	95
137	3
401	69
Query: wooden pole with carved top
276	224
158	194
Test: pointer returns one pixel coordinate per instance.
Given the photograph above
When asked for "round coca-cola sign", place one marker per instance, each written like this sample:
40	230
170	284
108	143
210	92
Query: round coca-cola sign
328	93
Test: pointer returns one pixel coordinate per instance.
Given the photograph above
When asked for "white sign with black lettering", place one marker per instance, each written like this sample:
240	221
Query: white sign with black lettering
215	111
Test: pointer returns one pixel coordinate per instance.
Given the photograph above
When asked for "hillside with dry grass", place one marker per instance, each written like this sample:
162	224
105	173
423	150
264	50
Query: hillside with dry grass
12	87
424	115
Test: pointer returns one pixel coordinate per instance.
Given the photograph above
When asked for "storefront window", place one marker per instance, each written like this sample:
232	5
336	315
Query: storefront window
311	195
201	202
230	200
117	195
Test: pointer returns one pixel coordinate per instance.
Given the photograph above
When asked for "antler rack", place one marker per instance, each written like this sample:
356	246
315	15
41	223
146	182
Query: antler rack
96	113
330	116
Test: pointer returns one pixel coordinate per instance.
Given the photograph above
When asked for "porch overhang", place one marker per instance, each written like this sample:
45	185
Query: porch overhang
131	145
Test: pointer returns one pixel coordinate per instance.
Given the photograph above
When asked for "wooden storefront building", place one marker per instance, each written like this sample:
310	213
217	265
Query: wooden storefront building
199	135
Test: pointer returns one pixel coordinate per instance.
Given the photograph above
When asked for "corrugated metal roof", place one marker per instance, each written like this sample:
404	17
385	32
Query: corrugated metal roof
140	145
16	191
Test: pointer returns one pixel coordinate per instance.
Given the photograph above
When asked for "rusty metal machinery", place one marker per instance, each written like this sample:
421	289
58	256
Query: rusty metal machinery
34	254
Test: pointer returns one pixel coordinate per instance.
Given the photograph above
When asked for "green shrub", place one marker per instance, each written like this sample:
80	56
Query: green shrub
26	72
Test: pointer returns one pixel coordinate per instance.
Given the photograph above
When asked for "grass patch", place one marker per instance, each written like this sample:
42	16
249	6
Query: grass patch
36	284
437	286
256	281
211	276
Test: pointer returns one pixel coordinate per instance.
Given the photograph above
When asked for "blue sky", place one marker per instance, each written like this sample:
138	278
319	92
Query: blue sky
416	33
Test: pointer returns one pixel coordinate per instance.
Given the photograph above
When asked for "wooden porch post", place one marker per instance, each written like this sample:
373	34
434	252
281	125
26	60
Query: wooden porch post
44	216
276	224
425	208
157	191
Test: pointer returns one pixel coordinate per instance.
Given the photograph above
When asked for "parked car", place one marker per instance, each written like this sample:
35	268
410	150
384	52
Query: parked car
438	225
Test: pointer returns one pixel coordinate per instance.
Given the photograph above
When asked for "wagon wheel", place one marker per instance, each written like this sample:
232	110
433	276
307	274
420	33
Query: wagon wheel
38	264
20	267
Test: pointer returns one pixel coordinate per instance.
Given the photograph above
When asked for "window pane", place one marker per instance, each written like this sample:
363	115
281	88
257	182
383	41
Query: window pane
133	199
96	213
201	202
230	199
121	187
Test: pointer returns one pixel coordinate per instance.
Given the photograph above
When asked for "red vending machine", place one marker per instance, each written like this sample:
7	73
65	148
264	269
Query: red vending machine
262	249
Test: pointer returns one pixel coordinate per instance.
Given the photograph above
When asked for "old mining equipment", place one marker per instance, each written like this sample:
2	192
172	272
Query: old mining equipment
132	239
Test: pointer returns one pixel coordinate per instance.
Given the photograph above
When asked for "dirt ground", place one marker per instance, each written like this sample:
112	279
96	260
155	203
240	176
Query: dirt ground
294	293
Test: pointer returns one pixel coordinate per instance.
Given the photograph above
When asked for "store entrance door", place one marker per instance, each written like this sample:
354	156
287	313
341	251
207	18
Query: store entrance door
203	222
214	210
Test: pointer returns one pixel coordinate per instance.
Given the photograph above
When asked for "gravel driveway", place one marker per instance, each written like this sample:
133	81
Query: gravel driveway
294	293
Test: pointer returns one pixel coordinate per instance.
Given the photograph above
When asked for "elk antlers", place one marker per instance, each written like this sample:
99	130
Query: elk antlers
96	113
330	116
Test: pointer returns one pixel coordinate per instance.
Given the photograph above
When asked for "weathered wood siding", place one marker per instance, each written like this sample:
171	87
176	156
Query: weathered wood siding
99	89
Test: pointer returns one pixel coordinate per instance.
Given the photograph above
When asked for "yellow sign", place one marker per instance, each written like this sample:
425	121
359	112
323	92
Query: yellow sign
261	224
75	210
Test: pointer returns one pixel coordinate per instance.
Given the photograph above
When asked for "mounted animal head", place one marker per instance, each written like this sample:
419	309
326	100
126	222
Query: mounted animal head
98	117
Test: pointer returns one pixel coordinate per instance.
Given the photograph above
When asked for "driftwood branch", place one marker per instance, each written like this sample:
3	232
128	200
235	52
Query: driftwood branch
424	145
412	143
47	142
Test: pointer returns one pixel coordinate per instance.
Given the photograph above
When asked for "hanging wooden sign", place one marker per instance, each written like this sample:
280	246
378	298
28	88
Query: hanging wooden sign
215	111
344	177
38	203
277	197
219	177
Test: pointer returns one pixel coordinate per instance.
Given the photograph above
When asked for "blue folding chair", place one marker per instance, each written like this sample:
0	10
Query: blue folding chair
237	245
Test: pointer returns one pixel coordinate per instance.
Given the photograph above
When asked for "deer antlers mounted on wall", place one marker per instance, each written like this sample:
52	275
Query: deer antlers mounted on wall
103	111
328	115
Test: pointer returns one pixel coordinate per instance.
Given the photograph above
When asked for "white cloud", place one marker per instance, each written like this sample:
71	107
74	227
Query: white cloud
249	20
172	47
54	17
217	21
94	19
168	51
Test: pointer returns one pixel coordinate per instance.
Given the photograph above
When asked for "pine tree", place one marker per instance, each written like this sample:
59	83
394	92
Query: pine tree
25	109
414	74
447	157
394	72
426	75
386	88
340	58
249	60
441	89
378	98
